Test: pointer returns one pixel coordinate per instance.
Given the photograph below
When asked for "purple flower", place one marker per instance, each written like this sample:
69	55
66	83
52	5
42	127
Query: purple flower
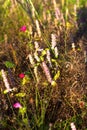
23	28
17	105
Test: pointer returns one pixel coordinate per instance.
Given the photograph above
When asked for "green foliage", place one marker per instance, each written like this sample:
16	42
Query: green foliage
6	4
20	95
9	64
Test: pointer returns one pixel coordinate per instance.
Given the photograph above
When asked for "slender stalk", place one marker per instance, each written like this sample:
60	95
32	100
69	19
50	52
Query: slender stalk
10	104
66	19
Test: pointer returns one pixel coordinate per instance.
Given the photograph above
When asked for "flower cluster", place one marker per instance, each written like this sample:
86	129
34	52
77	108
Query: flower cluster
36	57
73	127
47	72
17	105
31	59
37	48
49	58
41	60
53	41
7	85
38	28
53	45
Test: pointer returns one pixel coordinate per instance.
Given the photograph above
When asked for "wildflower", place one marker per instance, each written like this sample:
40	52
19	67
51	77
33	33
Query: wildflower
36	73
5	80
36	57
57	13
47	72
49	58
73	127
53	42
38	28
31	59
22	75
73	46
36	45
17	105
56	52
9	90
50	126
55	4
23	28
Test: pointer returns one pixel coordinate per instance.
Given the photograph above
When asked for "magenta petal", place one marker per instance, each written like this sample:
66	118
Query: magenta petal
21	75
17	105
23	28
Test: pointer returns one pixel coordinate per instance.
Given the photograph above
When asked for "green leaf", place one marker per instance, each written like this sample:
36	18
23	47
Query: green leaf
25	80
25	121
5	91
57	75
43	53
6	3
54	84
20	94
22	110
9	64
0	75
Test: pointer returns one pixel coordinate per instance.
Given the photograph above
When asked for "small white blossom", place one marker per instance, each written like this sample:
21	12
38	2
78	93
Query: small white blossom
31	59
36	45
50	126
57	13
56	52
49	58
36	73
36	57
38	28
53	40
73	46
5	80
73	127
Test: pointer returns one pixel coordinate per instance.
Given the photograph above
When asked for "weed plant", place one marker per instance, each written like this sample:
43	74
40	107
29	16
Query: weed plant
43	65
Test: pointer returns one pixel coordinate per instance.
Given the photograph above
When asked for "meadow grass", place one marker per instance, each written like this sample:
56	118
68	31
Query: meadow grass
42	70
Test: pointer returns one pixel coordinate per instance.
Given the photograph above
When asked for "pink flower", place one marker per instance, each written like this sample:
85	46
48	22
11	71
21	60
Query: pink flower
23	28
47	72
17	105
22	75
